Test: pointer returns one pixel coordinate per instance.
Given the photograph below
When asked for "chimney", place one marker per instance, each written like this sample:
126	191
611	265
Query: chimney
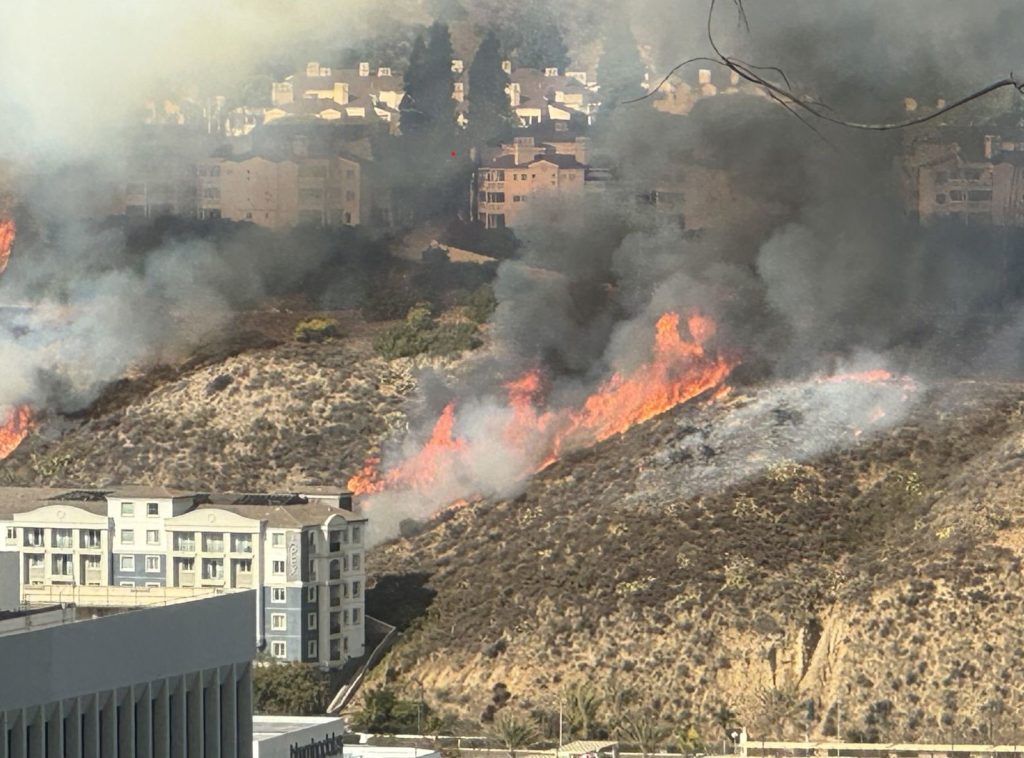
312	69
583	150
909	104
989	139
734	78
704	76
550	72
364	68
281	93
506	66
341	93
940	103
457	66
384	71
514	93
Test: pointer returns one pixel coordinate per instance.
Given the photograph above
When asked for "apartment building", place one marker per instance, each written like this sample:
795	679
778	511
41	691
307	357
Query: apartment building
339	93
537	97
168	681
302	552
505	186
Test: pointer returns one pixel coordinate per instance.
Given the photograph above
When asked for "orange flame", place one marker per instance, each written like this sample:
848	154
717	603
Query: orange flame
876	375
15	428
679	371
7	231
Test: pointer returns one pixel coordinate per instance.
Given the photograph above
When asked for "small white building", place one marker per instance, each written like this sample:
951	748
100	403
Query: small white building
295	736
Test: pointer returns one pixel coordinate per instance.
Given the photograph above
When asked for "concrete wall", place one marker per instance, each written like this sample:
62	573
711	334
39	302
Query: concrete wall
137	646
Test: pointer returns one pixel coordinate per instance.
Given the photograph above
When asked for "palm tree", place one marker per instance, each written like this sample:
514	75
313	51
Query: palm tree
513	731
582	705
644	729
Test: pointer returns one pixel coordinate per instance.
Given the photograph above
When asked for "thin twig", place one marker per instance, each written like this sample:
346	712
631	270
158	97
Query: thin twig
791	102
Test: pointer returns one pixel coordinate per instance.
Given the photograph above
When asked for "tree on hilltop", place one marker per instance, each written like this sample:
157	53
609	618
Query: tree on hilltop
490	114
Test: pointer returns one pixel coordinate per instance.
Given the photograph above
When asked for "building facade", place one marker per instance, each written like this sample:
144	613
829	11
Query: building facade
504	187
74	689
303	554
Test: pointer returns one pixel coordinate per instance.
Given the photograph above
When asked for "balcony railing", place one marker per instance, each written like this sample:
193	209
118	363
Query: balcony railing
243	579
184	546
93	576
64	543
186	578
213	546
242	547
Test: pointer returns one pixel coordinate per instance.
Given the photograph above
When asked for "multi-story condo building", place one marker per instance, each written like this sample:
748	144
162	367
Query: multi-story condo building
303	552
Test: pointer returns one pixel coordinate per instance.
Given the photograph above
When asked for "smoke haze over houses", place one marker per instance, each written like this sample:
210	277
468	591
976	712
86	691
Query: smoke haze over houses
806	260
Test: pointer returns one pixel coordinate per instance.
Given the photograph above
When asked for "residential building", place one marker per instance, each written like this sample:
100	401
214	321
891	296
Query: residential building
504	187
540	96
971	174
303	552
359	93
168	681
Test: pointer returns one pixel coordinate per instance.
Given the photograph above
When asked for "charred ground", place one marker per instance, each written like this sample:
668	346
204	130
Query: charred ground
882	579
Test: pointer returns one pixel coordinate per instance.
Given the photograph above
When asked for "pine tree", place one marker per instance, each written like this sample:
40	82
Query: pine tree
413	117
490	115
436	98
542	45
620	71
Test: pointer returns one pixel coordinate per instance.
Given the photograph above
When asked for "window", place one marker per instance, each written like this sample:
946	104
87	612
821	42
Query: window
61	538
35	561
127	509
127	563
344	644
356	560
278	622
278	567
976	196
213	543
153	564
335	570
185	542
312	570
245	567
355	589
278	649
311	594
355	529
33	538
127	536
62	565
241	543
355	615
311	538
152	509
278	595
213	568
940	198
277	539
311	621
12	534
127	584
335	541
90	538
956	195
152	537
311	649
344	616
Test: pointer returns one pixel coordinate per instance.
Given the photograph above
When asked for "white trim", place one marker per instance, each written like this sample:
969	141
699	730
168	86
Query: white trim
278	622
153	570
121	564
273	595
279	645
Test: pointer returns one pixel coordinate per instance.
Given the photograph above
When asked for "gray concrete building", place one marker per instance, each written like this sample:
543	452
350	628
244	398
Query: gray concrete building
159	682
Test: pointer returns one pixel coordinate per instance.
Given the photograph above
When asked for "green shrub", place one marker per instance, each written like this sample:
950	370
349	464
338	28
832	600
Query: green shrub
419	334
316	329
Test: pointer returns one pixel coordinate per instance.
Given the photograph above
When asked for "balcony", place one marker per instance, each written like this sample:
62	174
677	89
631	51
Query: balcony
213	546
62	579
186	578
184	546
94	576
63	543
243	579
487	186
243	548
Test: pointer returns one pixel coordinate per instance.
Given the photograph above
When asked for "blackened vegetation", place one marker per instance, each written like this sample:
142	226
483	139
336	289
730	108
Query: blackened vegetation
595	569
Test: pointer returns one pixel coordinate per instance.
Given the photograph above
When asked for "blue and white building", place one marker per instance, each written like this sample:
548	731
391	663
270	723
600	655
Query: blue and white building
303	552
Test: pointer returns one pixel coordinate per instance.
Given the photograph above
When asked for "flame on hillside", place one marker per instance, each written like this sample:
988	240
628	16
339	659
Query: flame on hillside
16	426
7	231
18	420
679	371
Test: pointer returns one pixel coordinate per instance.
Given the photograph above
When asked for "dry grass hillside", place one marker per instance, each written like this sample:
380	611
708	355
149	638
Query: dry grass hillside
878	578
264	415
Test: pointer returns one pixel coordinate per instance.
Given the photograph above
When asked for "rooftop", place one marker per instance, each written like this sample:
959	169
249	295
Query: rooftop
265	727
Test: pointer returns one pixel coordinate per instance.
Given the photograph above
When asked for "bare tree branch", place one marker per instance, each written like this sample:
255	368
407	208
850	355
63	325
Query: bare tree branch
791	102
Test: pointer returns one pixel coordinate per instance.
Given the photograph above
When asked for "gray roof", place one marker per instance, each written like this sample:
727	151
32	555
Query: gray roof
21	499
283	516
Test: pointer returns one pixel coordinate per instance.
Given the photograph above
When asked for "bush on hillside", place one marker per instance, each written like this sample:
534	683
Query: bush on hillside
316	329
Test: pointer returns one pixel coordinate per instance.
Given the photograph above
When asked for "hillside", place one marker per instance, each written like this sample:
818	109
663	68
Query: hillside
692	559
260	413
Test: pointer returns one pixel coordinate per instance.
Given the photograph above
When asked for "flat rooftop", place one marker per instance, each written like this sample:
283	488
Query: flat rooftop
266	727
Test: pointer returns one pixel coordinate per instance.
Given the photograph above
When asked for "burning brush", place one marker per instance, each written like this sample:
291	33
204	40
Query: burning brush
527	436
17	420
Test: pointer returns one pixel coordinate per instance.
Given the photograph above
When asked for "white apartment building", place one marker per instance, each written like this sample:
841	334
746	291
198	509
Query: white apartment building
127	546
